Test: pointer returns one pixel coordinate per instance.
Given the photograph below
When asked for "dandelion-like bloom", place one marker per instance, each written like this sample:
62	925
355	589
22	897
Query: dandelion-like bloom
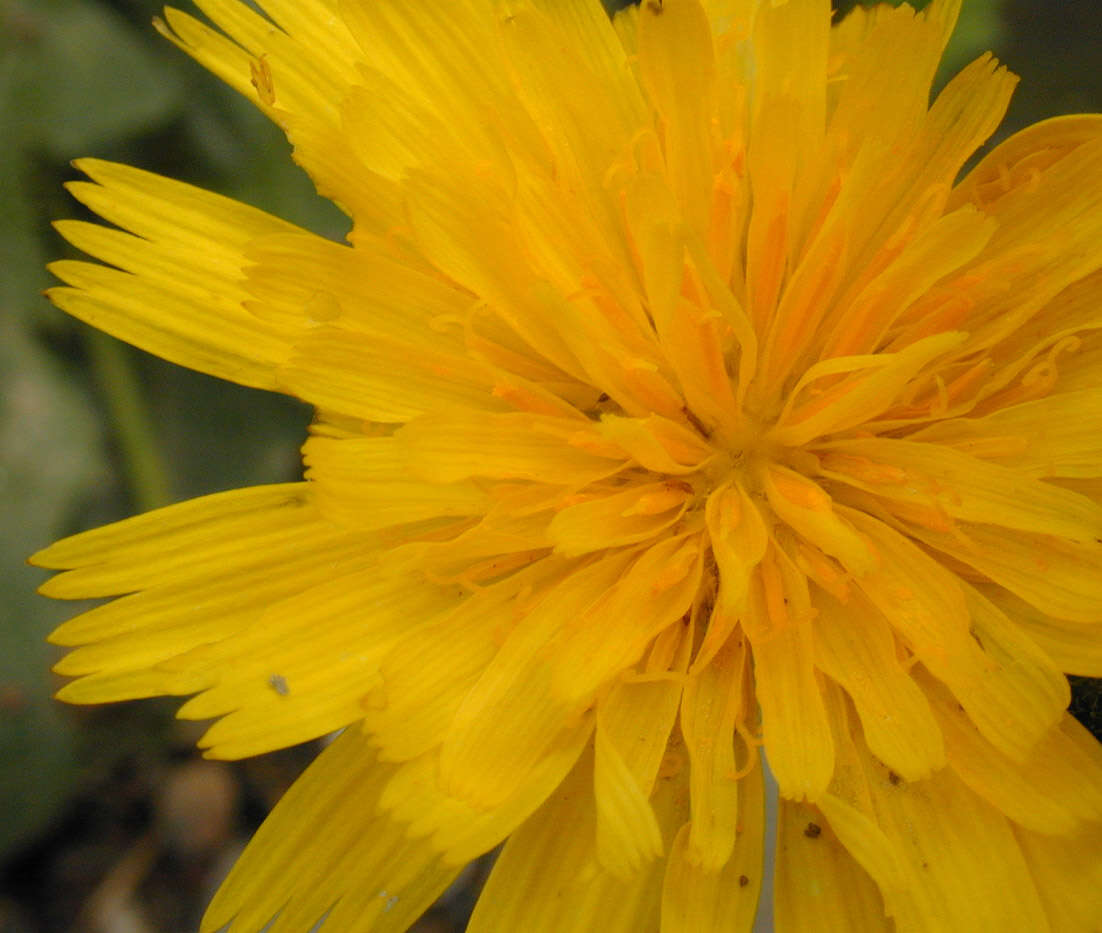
675	403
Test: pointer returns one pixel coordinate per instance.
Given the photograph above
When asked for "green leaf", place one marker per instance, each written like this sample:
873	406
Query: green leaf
40	411
88	77
980	29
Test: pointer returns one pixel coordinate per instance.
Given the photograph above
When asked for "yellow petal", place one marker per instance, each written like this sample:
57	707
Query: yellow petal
301	280
907	190
104	561
818	885
611	634
858	398
354	375
547	880
944	479
1068	874
183	297
637	514
272	694
787	116
696	900
739	538
513	445
628	836
1054	791
848	806
656	443
461	831
514	711
712	704
676	64
426	54
1052	223
634	721
424	678
1074	648
292	868
310	66
946	245
1016	160
855	647
365	483
807	508
961	848
1019	694
797	734
243	551
1057	435
921	599
1061	578
636	716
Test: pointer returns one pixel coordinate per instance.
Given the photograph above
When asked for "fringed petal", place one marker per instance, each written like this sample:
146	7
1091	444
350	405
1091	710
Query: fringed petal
696	899
547	880
302	872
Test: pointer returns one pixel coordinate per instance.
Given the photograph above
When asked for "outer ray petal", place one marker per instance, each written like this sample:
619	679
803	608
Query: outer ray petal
713	703
506	446
676	65
942	479
639	513
634	720
513	712
243	550
1017	160
461	831
1068	874
724	900
1056	790
855	647
272	694
628	836
365	483
1061	578
547	880
1074	648
316	848
964	641
424	679
427	53
818	885
300	82
181	294
795	726
1058	435
939	826
929	835
352	374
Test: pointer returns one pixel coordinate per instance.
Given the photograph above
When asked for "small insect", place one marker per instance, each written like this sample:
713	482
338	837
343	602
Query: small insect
261	77
743	881
813	830
894	778
279	684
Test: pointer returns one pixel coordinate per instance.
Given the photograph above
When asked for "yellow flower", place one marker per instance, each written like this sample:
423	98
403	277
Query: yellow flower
675	403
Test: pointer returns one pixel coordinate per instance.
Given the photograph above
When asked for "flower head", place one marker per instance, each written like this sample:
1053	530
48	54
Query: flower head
676	402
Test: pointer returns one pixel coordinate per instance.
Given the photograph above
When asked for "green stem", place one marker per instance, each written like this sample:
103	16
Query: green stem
133	428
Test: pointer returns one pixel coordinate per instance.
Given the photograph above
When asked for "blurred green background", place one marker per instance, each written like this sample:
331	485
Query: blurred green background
91	430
